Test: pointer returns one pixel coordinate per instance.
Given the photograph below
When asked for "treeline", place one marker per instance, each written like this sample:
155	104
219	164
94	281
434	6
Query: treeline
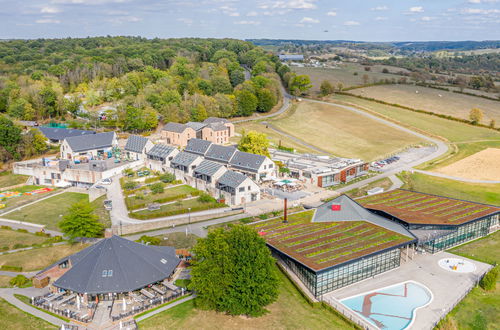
145	81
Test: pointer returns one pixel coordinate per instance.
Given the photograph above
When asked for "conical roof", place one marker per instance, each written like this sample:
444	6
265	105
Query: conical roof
117	265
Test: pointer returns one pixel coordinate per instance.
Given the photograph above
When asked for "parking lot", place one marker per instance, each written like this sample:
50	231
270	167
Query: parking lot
404	158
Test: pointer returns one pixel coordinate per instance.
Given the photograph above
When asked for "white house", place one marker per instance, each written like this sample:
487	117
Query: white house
87	147
236	188
160	156
137	147
257	167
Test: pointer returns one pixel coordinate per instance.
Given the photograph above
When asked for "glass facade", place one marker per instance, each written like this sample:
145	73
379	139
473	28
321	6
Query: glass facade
335	278
462	234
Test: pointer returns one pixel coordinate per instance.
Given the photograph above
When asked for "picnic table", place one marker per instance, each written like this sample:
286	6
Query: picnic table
136	298
170	285
147	293
54	297
157	289
66	299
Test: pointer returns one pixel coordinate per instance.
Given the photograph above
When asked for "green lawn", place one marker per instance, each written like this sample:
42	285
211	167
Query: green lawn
4	281
14	318
342	132
10	238
177	208
179	240
103	214
290	311
173	192
482	193
50	211
8	179
385	183
480	309
14	202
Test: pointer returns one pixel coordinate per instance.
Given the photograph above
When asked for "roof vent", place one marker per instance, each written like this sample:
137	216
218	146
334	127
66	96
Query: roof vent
163	261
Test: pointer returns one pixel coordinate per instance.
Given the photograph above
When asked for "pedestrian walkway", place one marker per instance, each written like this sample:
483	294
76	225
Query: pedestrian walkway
164	308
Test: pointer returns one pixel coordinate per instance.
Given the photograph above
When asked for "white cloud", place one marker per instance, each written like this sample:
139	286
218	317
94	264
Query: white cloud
50	10
186	21
426	18
234	14
290	4
380	18
483	1
480	11
331	13
309	20
252	13
47	21
417	9
88	2
351	23
124	19
247	22
380	8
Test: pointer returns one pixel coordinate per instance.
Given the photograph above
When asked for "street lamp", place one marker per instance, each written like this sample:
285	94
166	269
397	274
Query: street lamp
189	221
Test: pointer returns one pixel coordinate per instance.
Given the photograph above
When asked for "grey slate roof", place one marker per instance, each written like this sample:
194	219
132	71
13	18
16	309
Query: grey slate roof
136	143
133	266
195	125
208	168
160	150
212	120
55	133
352	211
220	153
174	127
247	161
184	158
217	126
231	179
197	146
90	142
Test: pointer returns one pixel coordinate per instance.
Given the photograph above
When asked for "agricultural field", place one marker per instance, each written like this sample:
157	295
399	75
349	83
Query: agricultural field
290	311
467	138
36	259
434	100
50	211
11	238
14	318
476	192
8	179
484	165
345	74
342	132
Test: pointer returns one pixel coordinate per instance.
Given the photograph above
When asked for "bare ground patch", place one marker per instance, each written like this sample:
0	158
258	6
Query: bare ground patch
484	165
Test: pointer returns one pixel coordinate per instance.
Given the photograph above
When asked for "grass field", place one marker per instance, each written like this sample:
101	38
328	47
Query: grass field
50	211
14	202
8	179
480	309
342	132
101	212
179	240
179	205
37	259
10	238
468	139
273	136
483	165
385	183
4	281
290	311
14	318
482	193
344	74
429	99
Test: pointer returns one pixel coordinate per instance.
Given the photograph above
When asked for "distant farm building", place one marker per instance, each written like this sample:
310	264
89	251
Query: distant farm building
291	57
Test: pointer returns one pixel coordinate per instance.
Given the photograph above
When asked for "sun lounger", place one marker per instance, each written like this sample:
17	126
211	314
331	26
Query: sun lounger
147	293
157	289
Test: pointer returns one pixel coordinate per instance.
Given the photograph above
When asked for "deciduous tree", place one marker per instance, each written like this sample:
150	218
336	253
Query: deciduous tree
476	115
81	222
255	143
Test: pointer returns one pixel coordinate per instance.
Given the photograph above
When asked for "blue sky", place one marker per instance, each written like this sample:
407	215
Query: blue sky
369	20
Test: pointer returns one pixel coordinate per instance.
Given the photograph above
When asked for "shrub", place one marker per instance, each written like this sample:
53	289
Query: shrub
149	240
139	196
19	246
129	185
19	281
11	268
6	227
43	234
157	188
167	178
263	216
22	230
489	281
206	198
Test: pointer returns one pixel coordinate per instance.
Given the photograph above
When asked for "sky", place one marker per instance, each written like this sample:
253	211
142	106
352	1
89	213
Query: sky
363	20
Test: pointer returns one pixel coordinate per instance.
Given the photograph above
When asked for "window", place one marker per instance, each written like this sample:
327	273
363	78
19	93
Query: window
163	261
249	188
241	189
270	165
110	273
104	273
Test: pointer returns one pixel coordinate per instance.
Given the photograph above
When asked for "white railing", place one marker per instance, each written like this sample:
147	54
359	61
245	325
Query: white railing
349	314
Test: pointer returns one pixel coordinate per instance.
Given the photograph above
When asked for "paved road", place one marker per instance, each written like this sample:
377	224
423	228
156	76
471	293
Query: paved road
284	107
455	178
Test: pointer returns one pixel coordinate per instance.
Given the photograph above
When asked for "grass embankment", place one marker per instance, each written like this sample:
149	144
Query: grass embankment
37	259
342	132
4	281
481	193
14	318
169	194
101	212
178	240
385	183
480	309
14	202
290	311
8	179
468	139
13	239
176	208
50	211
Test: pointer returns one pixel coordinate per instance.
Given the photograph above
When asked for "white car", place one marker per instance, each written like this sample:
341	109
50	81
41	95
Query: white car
106	181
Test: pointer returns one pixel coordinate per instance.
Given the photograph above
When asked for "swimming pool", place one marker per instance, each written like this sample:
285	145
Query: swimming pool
392	307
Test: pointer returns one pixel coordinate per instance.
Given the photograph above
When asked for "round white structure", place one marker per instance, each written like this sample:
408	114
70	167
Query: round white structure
457	265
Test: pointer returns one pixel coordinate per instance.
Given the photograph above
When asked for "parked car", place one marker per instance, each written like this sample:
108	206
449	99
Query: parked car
106	181
108	204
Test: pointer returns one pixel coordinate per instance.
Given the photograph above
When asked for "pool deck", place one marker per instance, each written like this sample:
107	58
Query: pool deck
447	287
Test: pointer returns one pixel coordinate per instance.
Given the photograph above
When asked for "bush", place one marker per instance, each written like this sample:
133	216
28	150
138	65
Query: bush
489	281
42	234
183	283
11	268
167	178
22	230
19	246
206	198
149	240
129	185
157	188
6	227
19	281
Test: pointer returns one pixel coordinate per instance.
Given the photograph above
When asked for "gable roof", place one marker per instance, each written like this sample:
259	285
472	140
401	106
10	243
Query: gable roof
91	141
352	211
247	161
175	127
217	126
231	179
136	143
55	133
133	266
212	120
184	158
195	125
197	146
220	153
160	150
208	168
